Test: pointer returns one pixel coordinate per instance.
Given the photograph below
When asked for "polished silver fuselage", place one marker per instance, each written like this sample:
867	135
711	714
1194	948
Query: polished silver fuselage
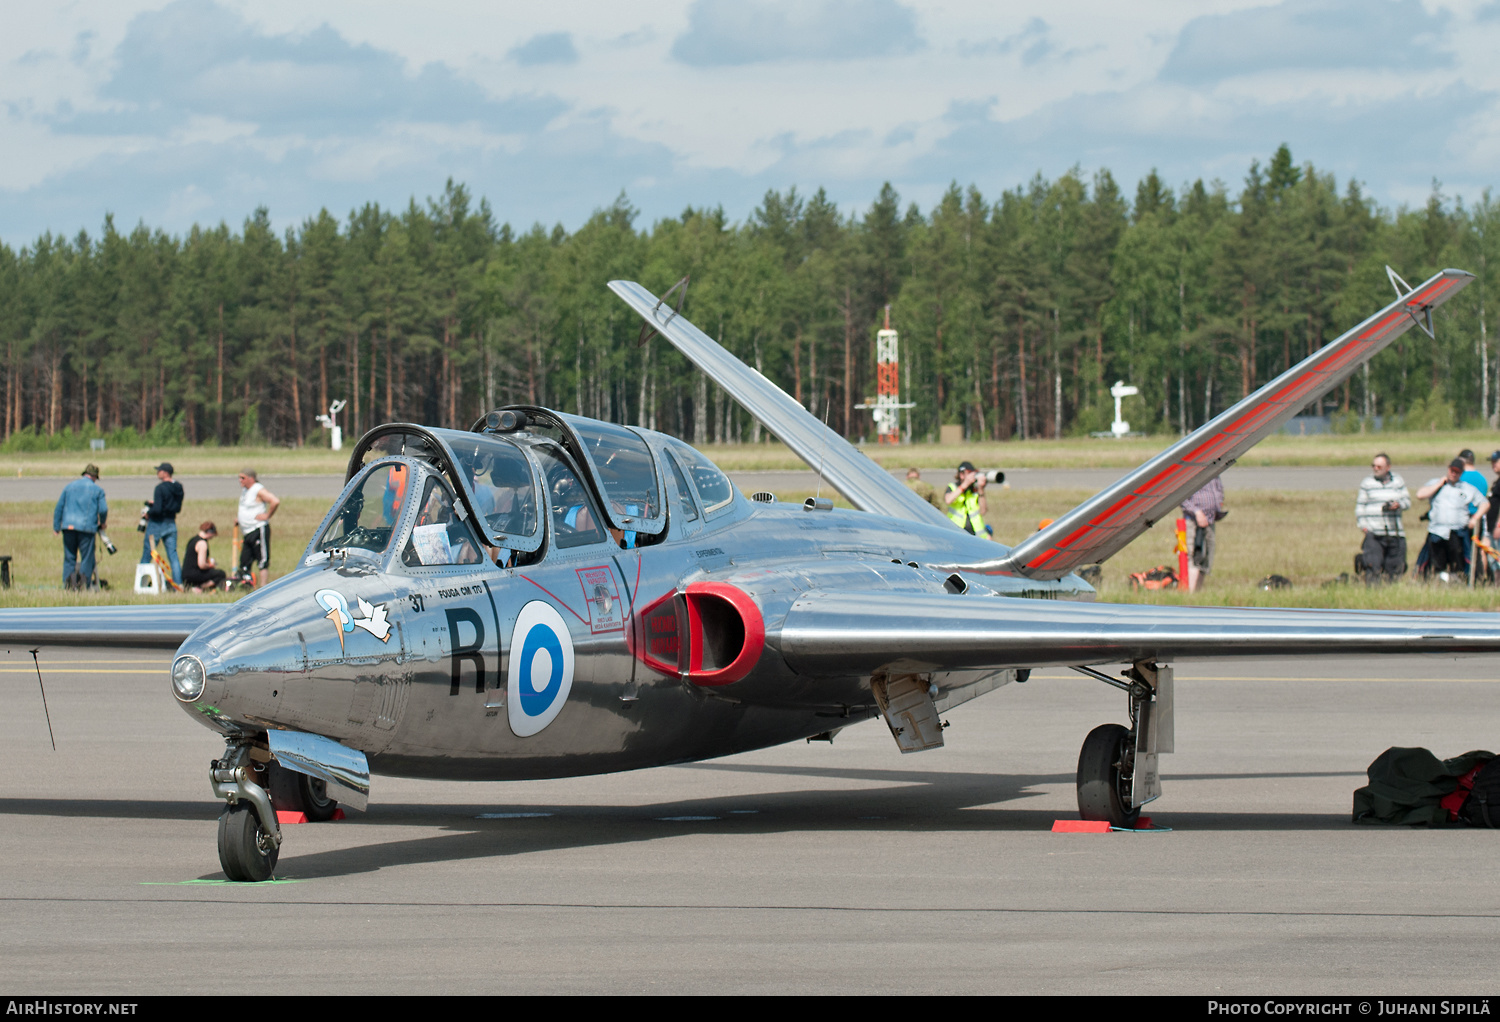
430	700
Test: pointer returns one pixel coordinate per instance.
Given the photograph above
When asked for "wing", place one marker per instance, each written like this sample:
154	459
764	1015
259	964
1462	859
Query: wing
867	486
1102	525
832	634
145	627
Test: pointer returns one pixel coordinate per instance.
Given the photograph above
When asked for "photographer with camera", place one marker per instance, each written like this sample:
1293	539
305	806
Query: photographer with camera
965	498
80	514
159	519
1203	510
1377	511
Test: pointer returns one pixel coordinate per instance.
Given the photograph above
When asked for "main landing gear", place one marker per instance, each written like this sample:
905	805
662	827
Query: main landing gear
255	788
1117	767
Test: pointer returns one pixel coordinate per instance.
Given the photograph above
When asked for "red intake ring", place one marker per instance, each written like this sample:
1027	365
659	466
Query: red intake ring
712	634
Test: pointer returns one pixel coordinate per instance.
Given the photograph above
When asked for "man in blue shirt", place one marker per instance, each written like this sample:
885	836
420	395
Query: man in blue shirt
1476	479
1471	475
80	513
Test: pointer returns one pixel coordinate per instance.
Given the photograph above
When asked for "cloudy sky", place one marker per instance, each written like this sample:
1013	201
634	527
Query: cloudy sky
200	110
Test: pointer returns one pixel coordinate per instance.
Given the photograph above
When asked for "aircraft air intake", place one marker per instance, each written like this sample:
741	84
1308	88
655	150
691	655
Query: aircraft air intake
712	634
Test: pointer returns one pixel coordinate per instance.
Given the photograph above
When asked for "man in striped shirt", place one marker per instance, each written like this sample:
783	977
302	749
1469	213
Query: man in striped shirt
1382	498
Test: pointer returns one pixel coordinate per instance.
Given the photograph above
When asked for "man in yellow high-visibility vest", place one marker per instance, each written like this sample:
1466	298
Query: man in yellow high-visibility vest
965	498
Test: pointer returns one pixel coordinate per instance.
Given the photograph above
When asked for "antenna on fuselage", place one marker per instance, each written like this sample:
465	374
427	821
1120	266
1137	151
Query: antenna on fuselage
824	457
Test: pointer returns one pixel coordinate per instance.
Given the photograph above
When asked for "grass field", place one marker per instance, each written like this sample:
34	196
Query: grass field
26	535
1307	536
1327	449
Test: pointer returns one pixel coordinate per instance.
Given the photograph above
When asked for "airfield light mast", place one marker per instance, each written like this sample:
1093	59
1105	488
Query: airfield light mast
888	404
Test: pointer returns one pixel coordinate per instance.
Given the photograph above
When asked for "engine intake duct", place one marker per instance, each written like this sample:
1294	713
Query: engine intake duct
711	634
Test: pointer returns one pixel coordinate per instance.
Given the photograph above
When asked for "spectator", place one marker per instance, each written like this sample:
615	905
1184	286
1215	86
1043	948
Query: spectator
1473	476
257	505
1494	511
81	512
1203	511
1377	511
199	570
1450	518
925	490
161	519
965	498
1476	479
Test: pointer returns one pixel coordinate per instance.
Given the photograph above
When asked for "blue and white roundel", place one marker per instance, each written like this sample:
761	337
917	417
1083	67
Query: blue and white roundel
541	668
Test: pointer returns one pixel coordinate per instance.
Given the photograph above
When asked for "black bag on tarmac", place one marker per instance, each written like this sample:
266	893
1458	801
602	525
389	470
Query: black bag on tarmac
1482	807
1407	786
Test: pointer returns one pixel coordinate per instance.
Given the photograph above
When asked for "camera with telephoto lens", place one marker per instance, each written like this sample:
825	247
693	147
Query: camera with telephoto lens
140	526
993	475
108	545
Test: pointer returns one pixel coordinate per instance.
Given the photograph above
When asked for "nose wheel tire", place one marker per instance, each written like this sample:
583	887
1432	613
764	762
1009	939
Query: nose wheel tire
246	852
1104	769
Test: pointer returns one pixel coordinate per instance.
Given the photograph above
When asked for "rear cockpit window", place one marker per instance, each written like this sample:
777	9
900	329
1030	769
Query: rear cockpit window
370	513
685	506
574	520
626	473
713	486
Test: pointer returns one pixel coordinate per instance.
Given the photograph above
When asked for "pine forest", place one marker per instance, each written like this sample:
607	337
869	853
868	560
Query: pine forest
1015	313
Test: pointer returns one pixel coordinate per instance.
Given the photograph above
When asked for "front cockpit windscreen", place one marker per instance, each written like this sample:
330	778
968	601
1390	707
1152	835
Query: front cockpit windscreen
625	469
369	514
500	484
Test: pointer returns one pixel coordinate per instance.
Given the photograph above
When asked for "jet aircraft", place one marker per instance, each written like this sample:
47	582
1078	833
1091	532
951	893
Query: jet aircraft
549	595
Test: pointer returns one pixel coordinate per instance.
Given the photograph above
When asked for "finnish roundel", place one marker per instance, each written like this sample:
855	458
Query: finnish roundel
541	668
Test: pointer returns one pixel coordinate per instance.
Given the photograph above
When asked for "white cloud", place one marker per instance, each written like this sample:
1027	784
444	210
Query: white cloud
198	109
546	48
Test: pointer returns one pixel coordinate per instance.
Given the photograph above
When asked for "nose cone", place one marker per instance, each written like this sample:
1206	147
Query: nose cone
232	672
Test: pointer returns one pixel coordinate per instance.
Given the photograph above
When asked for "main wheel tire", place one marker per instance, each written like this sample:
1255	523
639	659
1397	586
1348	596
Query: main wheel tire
298	793
315	801
246	852
1103	772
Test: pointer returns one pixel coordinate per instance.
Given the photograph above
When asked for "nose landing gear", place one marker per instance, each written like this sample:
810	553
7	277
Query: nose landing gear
249	836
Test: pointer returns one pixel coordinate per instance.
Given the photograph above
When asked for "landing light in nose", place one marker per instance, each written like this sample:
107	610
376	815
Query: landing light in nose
188	678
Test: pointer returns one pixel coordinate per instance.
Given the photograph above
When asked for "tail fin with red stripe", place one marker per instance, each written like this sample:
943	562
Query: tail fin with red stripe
1102	525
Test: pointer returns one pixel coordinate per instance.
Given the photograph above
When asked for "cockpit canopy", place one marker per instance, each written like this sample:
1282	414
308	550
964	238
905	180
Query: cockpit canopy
586	480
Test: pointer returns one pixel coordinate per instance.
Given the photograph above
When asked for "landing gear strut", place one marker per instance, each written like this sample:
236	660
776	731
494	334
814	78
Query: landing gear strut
1117	768
249	836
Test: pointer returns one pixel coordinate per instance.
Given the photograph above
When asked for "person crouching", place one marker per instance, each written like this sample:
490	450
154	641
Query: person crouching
199	570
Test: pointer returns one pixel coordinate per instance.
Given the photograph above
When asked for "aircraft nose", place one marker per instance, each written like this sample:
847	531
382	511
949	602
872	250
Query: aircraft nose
199	684
231	674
